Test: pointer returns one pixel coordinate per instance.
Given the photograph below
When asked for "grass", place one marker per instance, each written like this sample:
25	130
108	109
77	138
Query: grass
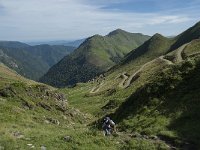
162	102
159	104
25	123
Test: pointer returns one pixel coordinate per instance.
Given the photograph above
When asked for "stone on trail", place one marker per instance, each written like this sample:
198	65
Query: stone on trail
67	138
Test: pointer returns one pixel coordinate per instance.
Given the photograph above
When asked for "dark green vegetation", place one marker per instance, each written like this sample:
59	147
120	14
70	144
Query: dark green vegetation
96	55
31	61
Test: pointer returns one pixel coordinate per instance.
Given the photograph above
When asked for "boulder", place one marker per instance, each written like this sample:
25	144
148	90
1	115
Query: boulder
67	138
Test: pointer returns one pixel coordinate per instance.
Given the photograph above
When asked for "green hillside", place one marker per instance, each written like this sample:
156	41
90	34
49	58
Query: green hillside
187	36
152	95
31	61
96	55
35	115
159	107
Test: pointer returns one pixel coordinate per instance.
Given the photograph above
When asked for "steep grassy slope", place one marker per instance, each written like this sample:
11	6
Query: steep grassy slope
154	47
97	54
162	102
187	36
31	61
8	75
167	106
35	116
152	93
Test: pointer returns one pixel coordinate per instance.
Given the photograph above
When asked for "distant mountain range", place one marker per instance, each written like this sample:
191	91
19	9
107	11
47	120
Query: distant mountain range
31	61
75	43
94	56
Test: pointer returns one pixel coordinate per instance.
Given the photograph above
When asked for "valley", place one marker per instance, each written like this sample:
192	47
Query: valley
149	86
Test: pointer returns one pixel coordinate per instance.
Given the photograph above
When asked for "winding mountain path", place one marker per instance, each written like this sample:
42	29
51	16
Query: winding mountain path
135	75
166	60
125	77
179	57
126	82
96	88
194	54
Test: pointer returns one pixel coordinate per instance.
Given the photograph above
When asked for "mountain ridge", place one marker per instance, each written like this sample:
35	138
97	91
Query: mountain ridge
97	53
31	61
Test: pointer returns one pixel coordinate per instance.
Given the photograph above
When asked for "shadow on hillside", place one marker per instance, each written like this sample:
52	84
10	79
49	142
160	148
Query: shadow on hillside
179	93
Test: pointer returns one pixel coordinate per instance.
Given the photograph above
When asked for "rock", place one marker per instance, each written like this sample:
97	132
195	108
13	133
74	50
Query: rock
67	138
27	105
30	144
43	148
136	135
51	120
154	137
33	146
27	139
46	121
43	105
145	137
18	135
64	117
2	100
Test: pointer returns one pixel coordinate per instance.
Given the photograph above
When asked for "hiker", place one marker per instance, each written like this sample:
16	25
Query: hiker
108	126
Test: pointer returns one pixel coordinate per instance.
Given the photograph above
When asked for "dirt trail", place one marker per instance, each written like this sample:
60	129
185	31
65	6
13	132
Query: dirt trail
97	88
126	82
166	60
191	55
135	75
179	57
125	77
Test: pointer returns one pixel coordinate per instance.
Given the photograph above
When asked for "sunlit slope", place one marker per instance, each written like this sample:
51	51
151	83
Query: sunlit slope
94	56
159	97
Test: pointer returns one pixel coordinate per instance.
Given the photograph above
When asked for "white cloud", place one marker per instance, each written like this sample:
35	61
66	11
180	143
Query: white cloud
72	19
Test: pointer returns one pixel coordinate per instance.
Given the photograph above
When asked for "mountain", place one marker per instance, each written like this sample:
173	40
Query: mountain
94	56
159	45
156	46
75	43
152	95
187	36
31	61
60	42
51	54
13	44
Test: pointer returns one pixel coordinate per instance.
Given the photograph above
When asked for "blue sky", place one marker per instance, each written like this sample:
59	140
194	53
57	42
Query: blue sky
35	20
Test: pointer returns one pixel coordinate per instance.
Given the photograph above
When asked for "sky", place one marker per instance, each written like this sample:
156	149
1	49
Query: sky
42	20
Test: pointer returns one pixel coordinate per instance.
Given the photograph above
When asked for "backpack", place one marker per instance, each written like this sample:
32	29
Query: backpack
112	123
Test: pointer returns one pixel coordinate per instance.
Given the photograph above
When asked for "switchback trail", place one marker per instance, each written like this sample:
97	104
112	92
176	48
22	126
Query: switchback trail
127	81
134	76
97	88
179	57
125	77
